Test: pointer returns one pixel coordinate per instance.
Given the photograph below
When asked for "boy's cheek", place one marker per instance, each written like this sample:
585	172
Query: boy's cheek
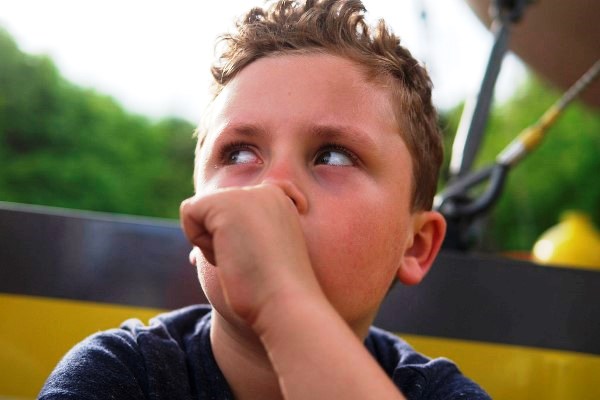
205	186
220	178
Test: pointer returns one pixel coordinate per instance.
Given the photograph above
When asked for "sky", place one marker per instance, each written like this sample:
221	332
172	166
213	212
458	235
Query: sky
153	56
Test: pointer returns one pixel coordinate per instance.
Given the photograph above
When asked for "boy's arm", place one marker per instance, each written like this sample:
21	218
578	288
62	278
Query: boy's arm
314	352
254	237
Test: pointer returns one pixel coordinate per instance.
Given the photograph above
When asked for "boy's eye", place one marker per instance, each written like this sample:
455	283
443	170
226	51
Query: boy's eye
242	157
239	154
335	156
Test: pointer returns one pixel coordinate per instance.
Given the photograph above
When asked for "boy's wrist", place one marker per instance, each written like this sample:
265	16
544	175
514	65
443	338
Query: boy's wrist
289	310
310	345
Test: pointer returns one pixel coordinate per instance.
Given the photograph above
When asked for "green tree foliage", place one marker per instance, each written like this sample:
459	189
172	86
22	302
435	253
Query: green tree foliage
66	146
562	174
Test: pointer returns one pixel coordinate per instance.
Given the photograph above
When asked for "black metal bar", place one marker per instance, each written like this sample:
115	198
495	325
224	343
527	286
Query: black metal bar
474	118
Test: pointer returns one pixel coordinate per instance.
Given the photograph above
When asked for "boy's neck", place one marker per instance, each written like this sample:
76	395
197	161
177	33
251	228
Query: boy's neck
243	361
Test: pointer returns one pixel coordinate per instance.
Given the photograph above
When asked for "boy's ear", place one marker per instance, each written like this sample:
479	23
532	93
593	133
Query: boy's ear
429	228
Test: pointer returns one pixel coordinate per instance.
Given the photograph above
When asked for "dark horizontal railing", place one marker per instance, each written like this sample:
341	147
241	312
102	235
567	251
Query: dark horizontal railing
144	262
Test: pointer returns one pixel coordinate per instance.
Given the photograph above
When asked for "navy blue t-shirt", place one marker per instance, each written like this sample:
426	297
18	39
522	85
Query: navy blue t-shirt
172	359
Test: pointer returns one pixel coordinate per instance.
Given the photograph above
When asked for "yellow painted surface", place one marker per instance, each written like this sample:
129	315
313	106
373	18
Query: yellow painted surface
519	373
36	332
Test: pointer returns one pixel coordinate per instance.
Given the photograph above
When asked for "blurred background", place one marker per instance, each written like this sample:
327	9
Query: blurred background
99	100
98	104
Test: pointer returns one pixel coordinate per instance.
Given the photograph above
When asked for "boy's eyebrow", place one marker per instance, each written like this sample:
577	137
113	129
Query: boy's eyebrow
346	133
244	129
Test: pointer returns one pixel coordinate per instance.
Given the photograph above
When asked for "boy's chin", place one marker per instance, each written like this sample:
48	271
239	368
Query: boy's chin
209	281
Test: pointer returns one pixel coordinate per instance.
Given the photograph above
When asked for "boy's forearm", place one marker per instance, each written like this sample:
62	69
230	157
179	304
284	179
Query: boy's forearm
316	355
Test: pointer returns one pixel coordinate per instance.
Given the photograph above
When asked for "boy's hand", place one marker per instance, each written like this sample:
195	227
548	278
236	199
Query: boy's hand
254	238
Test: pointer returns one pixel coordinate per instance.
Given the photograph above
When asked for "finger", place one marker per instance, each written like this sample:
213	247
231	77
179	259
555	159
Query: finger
192	217
205	250
197	255
192	256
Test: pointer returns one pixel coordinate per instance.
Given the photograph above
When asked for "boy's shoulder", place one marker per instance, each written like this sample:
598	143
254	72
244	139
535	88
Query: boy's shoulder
138	362
418	376
172	356
177	324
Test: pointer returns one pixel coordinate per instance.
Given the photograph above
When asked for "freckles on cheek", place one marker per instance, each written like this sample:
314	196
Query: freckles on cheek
376	235
350	242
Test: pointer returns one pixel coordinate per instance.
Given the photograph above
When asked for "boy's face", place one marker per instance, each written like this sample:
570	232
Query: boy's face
314	120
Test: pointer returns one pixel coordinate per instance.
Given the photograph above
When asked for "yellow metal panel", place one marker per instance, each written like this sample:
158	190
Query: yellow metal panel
519	373
36	332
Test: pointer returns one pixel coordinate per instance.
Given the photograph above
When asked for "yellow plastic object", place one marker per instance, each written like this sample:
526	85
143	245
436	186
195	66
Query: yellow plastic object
573	242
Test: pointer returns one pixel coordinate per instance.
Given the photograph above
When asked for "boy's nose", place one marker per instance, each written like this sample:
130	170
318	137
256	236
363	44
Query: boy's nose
286	172
292	191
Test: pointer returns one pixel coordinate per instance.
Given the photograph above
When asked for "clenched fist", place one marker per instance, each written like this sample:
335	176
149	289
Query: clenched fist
253	237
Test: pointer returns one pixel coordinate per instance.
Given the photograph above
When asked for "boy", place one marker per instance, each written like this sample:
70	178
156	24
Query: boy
315	172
